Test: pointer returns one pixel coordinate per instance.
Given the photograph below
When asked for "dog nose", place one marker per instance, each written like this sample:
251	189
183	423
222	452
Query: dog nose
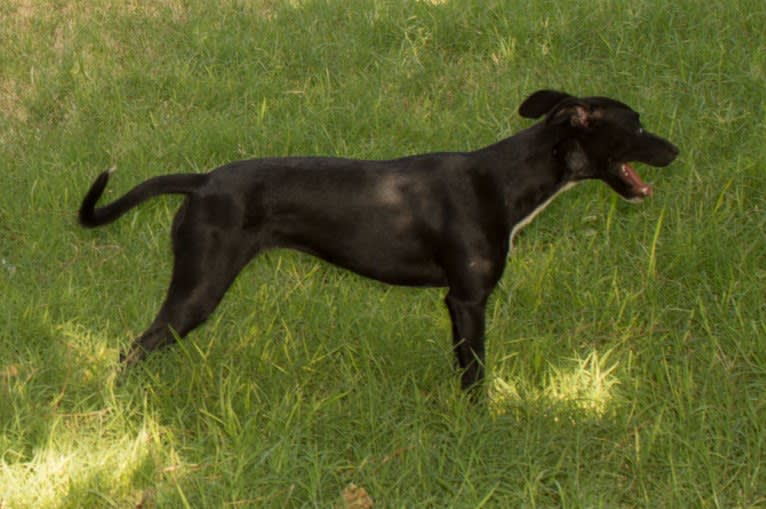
671	152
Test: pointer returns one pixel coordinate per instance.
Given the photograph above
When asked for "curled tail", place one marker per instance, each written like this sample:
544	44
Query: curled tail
90	216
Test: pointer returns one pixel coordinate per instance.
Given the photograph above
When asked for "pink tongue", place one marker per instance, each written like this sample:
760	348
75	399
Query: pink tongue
632	178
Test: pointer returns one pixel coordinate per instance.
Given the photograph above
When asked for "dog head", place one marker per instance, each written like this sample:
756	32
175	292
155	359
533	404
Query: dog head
600	139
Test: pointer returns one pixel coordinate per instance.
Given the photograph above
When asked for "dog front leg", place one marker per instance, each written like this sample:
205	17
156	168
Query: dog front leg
468	338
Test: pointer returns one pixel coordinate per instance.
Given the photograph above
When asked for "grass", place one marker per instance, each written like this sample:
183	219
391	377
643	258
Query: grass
627	345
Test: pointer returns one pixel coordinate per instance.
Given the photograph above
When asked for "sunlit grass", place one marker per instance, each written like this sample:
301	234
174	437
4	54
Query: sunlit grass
99	468
589	386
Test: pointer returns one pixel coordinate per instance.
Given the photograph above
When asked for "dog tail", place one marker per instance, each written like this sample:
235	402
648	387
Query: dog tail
90	216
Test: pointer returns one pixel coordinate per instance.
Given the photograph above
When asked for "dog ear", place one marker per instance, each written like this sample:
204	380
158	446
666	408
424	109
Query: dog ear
541	102
572	110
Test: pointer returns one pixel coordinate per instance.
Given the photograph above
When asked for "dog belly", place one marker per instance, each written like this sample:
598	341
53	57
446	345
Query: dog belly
378	241
401	272
394	263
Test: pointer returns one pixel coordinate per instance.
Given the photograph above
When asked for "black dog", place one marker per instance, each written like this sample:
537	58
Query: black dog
443	219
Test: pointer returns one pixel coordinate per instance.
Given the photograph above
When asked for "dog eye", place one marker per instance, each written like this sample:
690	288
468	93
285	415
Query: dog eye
640	130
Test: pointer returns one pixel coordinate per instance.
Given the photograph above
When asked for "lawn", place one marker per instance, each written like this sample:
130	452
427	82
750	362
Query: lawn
627	343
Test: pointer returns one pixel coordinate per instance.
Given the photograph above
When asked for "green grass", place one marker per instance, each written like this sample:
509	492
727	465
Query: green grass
627	344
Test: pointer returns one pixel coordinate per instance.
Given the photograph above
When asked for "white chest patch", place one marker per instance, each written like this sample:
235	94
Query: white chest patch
528	219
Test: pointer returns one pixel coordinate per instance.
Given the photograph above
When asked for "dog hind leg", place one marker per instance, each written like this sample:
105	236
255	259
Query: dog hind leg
205	265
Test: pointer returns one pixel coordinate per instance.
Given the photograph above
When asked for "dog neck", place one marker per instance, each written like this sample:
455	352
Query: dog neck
533	179
535	211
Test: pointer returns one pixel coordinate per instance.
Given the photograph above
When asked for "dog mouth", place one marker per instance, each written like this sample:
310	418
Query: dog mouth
636	188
